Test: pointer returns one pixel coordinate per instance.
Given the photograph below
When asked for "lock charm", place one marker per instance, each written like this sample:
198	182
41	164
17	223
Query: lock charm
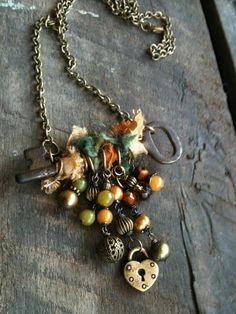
140	275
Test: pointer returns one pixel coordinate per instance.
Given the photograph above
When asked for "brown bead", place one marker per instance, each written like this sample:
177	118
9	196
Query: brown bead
141	223
68	199
117	192
129	198
141	173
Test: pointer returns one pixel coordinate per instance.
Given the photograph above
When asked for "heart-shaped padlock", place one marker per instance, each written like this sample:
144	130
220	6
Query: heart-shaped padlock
140	275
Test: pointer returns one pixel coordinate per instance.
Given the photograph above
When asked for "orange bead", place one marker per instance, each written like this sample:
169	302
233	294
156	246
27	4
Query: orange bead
129	198
104	216
156	183
141	173
117	192
141	223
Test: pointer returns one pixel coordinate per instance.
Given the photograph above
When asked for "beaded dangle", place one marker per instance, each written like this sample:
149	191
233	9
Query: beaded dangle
102	168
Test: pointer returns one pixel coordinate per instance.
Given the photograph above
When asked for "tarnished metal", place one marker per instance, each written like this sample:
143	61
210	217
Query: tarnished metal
40	167
112	249
93	190
57	21
152	148
129	10
160	251
124	225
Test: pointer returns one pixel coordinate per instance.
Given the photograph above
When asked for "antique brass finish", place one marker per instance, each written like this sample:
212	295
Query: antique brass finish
140	275
57	21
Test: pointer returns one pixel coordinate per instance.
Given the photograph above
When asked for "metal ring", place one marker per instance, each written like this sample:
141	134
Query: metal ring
150	128
51	156
85	163
104	158
59	166
132	241
52	148
119	183
119	155
106	173
135	250
90	163
153	149
95	178
116	173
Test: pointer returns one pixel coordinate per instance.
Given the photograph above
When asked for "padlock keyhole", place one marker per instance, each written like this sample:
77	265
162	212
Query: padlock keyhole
141	273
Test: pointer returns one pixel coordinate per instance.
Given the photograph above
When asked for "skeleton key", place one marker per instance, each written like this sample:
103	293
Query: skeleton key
39	166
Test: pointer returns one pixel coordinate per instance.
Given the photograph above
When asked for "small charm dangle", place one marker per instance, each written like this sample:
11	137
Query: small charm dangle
140	275
124	225
92	190
112	249
160	250
101	167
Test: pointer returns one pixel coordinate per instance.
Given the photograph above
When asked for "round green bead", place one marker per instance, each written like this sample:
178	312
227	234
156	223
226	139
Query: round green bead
80	184
87	217
105	198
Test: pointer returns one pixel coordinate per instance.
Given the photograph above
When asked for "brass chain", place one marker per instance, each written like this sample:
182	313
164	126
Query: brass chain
126	9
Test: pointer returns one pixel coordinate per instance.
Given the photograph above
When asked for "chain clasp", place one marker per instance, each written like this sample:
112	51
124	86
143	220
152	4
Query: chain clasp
148	27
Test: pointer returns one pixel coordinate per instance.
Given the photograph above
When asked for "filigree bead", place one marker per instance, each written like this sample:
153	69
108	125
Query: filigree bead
112	249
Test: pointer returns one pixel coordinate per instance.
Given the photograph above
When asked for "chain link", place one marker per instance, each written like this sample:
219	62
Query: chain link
127	10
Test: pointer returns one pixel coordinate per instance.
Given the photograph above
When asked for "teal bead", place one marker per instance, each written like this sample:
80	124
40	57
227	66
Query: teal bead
87	217
80	185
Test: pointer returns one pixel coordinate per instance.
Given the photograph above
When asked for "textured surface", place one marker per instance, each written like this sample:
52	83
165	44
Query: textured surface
227	14
48	262
221	21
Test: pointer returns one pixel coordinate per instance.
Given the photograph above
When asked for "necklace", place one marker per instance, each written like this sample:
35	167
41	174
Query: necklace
102	166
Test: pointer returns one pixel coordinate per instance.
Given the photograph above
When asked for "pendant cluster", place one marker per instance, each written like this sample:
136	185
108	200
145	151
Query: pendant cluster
114	195
102	167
